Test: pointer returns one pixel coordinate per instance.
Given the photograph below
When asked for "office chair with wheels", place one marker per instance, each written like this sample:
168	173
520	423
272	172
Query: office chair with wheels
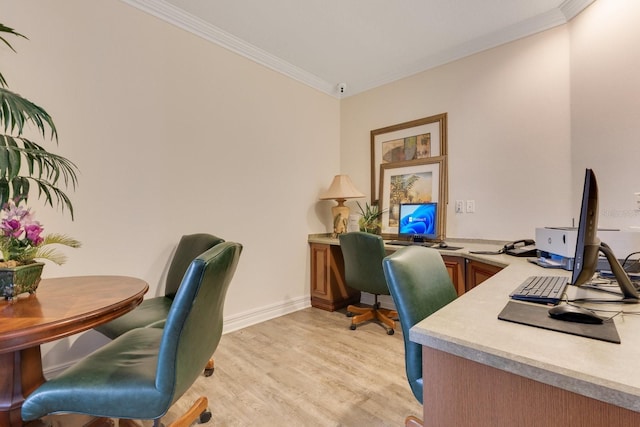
156	309
363	254
141	373
420	285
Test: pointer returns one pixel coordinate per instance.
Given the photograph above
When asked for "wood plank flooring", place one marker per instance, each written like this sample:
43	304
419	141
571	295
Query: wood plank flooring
303	369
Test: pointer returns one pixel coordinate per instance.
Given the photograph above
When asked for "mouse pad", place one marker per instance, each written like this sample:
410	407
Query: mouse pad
533	315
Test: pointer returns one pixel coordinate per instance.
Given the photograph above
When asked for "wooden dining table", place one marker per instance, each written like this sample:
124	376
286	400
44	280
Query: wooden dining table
61	307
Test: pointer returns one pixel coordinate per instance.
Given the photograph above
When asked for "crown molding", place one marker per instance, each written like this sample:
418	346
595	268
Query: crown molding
188	22
571	8
522	29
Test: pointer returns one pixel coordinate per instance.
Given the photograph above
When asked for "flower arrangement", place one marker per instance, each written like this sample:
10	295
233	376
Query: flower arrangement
22	240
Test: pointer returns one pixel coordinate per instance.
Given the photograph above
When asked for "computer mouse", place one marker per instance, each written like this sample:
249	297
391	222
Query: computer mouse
572	313
443	245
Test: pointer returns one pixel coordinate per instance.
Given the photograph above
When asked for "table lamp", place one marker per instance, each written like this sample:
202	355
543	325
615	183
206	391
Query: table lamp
340	190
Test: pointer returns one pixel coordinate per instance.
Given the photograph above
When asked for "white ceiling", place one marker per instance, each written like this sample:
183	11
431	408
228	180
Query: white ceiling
360	43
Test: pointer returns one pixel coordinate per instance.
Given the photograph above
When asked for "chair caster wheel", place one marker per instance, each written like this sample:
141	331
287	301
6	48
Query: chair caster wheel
391	332
208	372
349	314
205	417
352	327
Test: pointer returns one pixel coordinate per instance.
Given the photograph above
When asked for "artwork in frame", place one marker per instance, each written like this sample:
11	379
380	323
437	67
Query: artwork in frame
413	181
418	139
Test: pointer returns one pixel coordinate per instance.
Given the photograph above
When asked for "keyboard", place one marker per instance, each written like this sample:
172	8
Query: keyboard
409	243
541	289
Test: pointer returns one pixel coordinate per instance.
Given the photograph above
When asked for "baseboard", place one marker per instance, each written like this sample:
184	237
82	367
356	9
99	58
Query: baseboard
251	317
231	323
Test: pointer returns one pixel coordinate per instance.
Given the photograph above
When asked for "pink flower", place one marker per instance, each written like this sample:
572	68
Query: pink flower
33	232
11	227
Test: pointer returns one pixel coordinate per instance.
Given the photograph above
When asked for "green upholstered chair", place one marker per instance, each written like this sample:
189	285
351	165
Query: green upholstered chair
363	254
141	373
153	310
420	285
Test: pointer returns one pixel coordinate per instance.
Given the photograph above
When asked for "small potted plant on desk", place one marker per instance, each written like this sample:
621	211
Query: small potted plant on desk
24	162
370	221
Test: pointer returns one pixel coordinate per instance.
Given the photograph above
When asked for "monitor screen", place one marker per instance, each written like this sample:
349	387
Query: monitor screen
588	245
418	221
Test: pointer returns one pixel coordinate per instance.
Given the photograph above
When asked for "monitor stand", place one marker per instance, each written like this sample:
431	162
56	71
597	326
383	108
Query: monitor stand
624	282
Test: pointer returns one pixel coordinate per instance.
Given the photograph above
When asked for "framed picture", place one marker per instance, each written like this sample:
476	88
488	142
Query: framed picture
414	140
412	181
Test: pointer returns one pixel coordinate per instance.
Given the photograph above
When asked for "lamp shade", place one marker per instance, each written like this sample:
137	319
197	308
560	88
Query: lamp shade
341	188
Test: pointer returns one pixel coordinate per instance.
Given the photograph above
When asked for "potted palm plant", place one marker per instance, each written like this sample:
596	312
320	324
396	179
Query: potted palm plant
369	221
24	164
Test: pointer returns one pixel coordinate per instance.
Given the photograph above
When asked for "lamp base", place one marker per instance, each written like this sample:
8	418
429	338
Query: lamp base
340	214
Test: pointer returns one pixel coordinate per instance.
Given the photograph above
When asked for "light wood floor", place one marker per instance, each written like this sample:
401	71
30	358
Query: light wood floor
303	369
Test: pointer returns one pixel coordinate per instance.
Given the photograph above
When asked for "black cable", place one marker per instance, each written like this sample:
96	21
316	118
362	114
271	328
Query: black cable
629	256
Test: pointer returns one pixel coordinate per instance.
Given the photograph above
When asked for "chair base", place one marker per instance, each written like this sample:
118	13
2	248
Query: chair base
197	412
412	421
208	370
382	315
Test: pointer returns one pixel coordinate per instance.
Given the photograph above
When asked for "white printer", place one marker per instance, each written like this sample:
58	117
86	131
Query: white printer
557	245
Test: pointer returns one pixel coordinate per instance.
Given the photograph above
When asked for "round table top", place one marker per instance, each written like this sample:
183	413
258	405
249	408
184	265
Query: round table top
65	306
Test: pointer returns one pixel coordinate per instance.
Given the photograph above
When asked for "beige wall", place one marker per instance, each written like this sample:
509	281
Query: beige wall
174	135
509	133
605	113
525	119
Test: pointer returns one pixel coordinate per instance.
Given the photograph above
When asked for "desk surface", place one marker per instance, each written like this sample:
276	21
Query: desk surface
468	246
469	328
65	306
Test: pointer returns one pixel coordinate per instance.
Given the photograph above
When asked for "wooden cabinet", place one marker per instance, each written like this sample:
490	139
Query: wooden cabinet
328	288
477	272
455	267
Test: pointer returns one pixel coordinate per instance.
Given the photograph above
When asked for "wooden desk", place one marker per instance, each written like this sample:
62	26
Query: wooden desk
480	371
60	308
329	290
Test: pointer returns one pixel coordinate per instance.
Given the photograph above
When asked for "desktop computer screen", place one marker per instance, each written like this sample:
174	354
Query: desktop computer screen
588	245
418	221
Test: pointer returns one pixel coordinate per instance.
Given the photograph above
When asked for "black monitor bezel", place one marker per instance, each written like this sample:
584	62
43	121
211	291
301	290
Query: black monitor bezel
587	242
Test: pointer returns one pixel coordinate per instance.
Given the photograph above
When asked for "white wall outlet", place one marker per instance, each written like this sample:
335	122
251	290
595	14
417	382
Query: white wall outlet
459	206
471	206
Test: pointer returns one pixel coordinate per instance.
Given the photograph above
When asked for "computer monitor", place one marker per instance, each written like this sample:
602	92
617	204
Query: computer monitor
588	245
418	221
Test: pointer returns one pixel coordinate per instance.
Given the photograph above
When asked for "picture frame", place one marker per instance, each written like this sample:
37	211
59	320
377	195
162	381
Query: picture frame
413	140
420	181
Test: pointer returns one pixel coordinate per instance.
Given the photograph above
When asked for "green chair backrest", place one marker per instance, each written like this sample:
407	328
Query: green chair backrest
189	247
194	324
363	254
420	285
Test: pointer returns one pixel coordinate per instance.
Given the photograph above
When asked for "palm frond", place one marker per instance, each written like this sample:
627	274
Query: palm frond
19	154
60	239
50	254
44	251
16	112
5	29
